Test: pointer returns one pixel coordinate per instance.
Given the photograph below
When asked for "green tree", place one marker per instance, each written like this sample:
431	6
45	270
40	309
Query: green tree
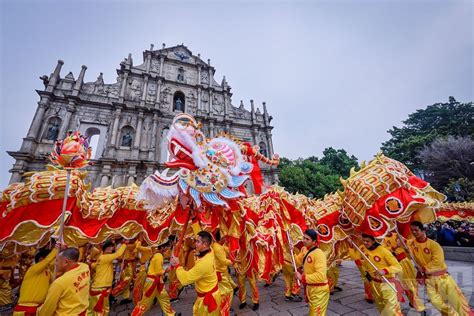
316	177
339	161
424	126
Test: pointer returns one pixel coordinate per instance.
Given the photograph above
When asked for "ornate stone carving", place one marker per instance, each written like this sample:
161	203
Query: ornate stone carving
152	87
204	77
134	93
155	66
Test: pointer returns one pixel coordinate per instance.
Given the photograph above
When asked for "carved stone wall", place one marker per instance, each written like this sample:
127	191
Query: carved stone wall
132	116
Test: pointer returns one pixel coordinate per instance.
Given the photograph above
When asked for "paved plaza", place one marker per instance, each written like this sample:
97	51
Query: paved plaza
348	302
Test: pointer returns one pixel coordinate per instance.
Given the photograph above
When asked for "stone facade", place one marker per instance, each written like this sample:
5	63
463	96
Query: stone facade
131	117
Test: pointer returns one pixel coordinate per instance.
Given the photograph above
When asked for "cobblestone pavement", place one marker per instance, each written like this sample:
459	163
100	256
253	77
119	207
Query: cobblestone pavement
348	302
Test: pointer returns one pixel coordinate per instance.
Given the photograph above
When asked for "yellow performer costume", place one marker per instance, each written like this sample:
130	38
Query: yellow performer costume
333	276
225	285
408	274
357	258
315	281
292	289
35	286
204	277
92	257
385	298
102	282
154	288
144	254
174	287
68	294
7	266
439	284
127	274
251	277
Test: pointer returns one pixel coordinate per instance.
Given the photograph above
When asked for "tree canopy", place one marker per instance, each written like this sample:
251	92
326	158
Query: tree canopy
424	126
316	177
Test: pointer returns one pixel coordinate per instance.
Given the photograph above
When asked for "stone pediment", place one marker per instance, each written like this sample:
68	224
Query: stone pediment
180	53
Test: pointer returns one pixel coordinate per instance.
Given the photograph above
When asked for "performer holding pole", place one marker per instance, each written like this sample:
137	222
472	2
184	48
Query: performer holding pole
69	154
440	286
203	275
382	267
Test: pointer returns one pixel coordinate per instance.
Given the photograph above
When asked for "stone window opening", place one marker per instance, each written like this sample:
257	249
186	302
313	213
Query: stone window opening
52	129
126	136
263	149
179	101
93	137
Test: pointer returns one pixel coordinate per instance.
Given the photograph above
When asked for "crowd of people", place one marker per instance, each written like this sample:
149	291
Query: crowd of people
87	280
452	233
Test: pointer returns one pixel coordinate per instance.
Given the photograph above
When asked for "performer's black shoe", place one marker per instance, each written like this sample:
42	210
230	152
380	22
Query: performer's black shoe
242	305
236	290
255	306
267	284
125	301
289	298
337	289
297	298
368	300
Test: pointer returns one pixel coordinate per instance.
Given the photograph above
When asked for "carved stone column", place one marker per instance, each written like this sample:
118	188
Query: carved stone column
199	74
80	80
104	181
151	154
211	129
113	140
162	60
158	94
145	91
132	170
122	89
136	144
55	77
67	119
211	97
199	98
38	119
270	144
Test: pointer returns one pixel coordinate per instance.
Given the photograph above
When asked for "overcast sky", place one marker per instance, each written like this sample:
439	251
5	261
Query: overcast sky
333	73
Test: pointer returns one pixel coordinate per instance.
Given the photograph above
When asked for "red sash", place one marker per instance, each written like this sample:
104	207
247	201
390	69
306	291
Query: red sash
219	276
156	284
99	306
209	300
401	256
437	273
28	310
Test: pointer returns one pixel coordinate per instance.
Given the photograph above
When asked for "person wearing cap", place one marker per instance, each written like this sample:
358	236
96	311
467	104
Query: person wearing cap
36	282
154	287
408	274
314	277
69	293
440	286
387	266
103	278
204	277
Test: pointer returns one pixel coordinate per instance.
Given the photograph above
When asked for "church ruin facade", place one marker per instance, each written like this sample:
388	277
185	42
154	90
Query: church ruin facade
130	119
